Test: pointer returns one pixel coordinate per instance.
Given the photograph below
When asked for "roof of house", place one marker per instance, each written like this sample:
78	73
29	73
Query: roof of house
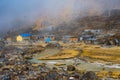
48	39
26	35
67	36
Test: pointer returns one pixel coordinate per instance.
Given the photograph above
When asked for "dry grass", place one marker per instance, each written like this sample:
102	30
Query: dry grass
64	54
104	54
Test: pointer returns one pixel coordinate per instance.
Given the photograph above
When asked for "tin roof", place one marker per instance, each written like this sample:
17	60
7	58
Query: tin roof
26	35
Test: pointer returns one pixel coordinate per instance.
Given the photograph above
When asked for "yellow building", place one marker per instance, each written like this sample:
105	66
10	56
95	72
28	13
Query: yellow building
23	37
19	38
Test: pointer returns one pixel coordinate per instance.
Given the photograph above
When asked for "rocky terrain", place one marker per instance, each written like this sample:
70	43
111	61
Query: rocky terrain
75	27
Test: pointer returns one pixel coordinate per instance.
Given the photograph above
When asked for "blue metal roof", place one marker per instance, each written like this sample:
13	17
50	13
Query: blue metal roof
47	39
26	35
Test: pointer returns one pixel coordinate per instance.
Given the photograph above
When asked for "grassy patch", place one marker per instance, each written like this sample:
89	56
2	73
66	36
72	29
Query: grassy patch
105	54
64	54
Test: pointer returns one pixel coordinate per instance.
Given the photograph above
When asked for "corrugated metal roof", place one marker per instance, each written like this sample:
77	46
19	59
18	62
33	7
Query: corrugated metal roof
26	35
48	39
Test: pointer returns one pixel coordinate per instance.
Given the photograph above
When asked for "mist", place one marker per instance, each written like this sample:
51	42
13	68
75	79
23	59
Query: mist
13	13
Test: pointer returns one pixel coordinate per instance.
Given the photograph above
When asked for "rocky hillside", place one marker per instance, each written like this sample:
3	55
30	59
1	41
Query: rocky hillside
111	23
74	27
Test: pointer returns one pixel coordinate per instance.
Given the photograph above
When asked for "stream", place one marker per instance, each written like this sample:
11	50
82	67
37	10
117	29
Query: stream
79	63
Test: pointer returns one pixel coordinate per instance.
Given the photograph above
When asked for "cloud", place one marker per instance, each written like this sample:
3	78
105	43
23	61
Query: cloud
31	10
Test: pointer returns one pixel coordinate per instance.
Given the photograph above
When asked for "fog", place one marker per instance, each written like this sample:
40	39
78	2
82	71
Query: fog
26	12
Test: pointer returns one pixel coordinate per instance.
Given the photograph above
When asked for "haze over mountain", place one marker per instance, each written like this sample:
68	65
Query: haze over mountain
17	14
